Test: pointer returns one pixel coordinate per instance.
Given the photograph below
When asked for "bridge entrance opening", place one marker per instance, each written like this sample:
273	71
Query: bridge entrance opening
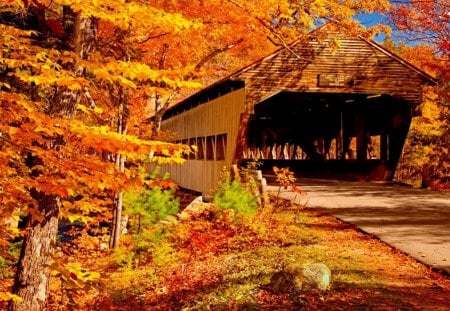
329	134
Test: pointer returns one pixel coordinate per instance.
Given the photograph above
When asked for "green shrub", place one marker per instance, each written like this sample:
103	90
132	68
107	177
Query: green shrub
150	206
235	195
148	242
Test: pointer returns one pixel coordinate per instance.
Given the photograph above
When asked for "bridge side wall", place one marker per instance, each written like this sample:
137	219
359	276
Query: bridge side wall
207	125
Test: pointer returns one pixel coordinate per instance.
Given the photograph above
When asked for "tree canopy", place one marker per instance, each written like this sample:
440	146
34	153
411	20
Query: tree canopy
76	79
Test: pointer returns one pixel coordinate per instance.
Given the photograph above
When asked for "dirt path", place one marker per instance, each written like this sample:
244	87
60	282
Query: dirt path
415	221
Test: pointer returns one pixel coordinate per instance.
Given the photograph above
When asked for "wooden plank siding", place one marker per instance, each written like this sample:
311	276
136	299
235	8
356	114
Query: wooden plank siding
218	116
371	69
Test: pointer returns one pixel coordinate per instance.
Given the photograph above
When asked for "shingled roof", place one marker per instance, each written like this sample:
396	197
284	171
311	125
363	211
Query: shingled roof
357	65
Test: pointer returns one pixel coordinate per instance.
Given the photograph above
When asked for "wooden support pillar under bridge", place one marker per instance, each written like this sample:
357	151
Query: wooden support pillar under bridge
275	152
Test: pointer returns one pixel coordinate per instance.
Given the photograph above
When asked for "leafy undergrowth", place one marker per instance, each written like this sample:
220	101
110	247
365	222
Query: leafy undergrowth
219	263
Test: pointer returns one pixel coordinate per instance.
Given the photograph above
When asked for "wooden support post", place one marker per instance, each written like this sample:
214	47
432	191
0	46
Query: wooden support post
241	140
384	153
264	193
320	146
340	138
286	151
361	139
274	151
292	152
235	172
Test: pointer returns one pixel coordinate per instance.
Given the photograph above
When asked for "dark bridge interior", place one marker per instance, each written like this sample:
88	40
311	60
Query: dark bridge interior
351	136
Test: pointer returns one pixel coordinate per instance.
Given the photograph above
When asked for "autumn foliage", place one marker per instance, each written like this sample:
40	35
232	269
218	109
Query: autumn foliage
79	81
425	24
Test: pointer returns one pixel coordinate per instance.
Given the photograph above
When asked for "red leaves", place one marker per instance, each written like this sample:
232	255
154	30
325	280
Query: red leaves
424	21
56	28
209	239
73	276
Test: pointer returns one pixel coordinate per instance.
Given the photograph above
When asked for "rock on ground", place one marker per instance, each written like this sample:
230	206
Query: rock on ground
301	278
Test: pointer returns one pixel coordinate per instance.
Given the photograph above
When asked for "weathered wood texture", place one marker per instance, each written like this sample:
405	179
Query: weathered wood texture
366	67
218	116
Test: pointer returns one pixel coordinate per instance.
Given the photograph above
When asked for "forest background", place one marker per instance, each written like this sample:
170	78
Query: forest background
80	79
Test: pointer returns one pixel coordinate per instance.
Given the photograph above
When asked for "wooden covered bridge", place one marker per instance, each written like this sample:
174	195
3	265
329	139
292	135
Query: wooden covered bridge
324	110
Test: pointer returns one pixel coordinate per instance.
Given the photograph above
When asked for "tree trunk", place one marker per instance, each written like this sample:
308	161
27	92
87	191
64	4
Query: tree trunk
160	110
83	41
116	229
117	224
241	140
33	274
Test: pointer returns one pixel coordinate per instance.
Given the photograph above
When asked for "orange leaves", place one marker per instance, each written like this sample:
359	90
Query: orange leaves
42	67
284	176
75	166
7	296
70	164
130	74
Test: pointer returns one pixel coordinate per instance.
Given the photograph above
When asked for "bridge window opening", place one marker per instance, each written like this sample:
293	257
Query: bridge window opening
192	142
210	144
221	147
200	148
374	147
300	155
350	153
332	150
185	142
208	148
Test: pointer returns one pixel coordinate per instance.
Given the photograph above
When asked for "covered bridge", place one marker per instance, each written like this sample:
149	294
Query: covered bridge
324	109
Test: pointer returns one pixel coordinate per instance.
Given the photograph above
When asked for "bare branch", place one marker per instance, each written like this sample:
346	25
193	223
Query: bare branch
153	37
89	98
217	51
162	59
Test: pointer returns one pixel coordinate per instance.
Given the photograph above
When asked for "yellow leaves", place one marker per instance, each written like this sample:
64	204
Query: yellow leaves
71	217
101	185
19	3
5	85
128	74
131	15
126	83
12	231
13	130
102	138
7	296
98	110
70	152
44	130
82	107
86	109
167	160
81	274
73	274
48	78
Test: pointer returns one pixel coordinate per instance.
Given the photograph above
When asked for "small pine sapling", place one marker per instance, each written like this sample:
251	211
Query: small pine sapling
235	195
